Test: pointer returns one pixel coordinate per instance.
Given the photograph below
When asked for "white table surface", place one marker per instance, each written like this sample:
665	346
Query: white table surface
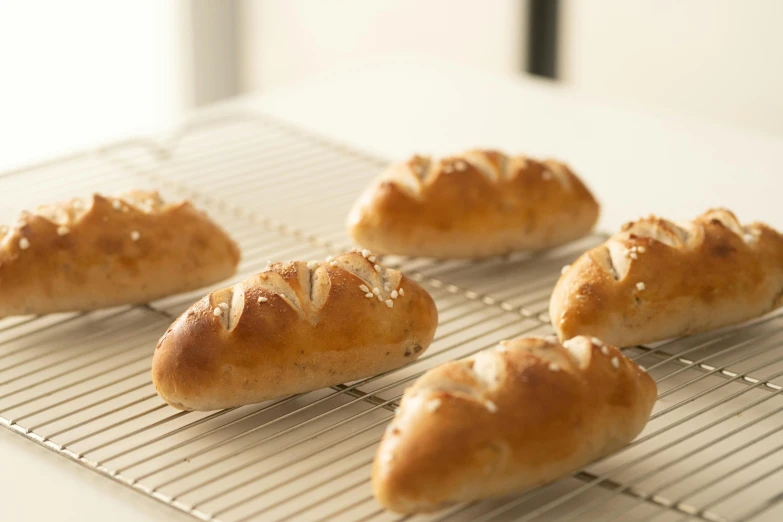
636	162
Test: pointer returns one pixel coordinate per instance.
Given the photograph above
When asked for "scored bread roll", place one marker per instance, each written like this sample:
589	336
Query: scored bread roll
293	328
82	255
476	204
656	279
509	419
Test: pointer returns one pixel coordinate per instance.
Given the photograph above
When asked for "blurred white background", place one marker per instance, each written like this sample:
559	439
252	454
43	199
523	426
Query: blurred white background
75	74
78	73
717	60
290	41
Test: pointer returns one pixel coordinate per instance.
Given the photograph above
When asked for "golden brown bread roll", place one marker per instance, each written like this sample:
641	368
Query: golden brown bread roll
656	279
476	204
507	420
108	251
293	328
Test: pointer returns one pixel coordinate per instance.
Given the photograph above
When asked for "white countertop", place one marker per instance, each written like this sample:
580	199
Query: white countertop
635	161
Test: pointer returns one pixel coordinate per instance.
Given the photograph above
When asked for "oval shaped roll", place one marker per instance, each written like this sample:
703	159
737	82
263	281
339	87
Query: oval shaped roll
476	204
107	251
295	327
509	419
655	280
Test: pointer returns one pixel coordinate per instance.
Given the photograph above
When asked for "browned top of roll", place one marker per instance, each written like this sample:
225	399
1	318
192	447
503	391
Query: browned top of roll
656	279
294	327
82	255
478	203
509	419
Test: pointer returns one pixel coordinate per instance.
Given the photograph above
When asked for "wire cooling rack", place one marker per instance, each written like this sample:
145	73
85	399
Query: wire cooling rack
79	384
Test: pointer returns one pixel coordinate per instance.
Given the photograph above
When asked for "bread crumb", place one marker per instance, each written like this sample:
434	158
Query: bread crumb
605	350
491	406
364	288
24	243
380	298
116	204
369	294
394	294
596	341
402	292
62	230
366	253
633	255
564	269
640	286
135	235
372	259
641	250
217	312
312	265
615	362
389	303
376	291
377	268
329	259
262	299
223	306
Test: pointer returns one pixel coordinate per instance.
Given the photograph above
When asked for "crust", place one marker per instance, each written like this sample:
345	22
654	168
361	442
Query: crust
508	420
656	280
314	327
477	204
108	251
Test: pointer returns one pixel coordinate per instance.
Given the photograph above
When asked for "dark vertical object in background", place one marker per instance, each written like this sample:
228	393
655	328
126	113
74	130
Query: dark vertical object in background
542	37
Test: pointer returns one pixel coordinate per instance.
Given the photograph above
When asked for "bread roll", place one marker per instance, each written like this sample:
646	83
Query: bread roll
507	420
108	251
656	280
293	328
480	203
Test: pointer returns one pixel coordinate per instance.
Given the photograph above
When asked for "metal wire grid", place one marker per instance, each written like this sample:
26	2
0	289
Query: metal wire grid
79	383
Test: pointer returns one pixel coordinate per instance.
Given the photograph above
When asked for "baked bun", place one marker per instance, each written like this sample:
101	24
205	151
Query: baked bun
108	251
293	328
476	204
656	280
507	420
